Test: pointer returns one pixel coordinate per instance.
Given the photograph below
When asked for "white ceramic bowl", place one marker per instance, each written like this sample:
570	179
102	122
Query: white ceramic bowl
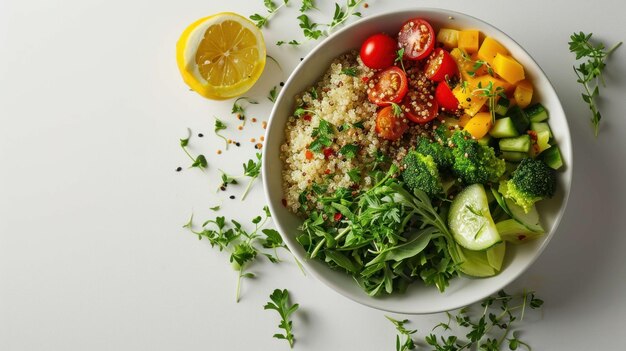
418	298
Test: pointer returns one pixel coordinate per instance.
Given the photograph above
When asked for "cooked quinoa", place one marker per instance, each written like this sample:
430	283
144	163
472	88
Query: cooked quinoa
341	100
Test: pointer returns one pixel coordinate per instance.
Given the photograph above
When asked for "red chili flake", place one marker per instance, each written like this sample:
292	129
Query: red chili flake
306	117
338	216
328	152
365	79
521	237
327	171
284	201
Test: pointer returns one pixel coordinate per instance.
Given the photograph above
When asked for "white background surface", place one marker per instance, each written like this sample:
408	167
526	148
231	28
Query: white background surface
92	254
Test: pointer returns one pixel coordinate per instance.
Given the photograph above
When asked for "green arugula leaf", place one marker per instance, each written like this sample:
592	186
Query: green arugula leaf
279	301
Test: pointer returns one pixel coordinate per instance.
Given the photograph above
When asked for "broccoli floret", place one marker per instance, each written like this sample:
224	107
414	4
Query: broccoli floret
474	163
532	180
420	172
441	153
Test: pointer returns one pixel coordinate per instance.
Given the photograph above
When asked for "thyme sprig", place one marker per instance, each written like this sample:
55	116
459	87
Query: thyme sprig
589	73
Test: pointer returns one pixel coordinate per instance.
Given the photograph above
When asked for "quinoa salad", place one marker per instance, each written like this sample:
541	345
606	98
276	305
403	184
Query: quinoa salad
418	158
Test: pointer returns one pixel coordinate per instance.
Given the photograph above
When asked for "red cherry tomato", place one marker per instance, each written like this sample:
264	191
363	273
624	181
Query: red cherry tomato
388	125
378	51
417	37
445	98
387	86
440	65
419	108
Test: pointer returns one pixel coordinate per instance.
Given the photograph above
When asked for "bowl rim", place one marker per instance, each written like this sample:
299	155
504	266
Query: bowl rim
369	301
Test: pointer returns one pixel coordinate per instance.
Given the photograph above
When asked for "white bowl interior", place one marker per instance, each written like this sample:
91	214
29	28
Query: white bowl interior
417	299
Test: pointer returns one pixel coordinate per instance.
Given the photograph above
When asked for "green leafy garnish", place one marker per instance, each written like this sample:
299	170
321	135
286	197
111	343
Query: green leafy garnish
342	14
280	303
307	5
400	58
350	71
491	94
272	8
349	151
239	109
292	42
219	125
397	110
355	175
273	94
199	161
589	73
313	93
251	169
323	135
309	29
408	343
240	243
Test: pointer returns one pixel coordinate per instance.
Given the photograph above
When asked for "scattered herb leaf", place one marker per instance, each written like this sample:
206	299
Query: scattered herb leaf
280	303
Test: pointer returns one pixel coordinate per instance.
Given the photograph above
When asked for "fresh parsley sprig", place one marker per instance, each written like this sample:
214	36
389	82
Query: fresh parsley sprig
251	169
273	94
280	303
323	136
272	8
343	13
350	71
230	236
491	93
589	73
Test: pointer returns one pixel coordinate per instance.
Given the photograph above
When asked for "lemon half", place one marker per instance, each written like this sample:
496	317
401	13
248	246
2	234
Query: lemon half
221	56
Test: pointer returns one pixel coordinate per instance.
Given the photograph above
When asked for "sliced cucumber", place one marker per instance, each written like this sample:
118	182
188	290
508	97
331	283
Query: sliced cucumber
536	113
495	255
503	128
519	118
514	156
514	232
543	141
475	263
502	106
518	144
485	140
552	157
541	127
470	221
530	220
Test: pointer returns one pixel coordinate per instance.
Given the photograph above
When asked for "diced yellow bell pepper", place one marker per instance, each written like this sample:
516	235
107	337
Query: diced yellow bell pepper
470	101
507	68
523	93
448	37
489	49
486	79
469	40
464	119
479	125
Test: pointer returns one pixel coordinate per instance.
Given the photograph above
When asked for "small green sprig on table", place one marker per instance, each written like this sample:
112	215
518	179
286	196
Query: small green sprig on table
272	8
199	161
491	330
240	243
589	73
280	303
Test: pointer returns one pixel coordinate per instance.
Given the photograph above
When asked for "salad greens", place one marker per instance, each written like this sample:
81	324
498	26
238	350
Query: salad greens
280	303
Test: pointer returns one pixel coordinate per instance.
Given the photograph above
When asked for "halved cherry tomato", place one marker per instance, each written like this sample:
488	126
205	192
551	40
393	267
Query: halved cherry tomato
388	125
419	108
440	65
417	37
387	86
445	98
378	51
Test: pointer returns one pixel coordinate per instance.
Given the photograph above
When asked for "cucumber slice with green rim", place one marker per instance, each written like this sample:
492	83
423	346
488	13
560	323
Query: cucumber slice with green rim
503	128
514	156
470	221
519	118
552	157
475	263
502	106
518	144
536	113
495	255
541	127
530	220
485	140
515	232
